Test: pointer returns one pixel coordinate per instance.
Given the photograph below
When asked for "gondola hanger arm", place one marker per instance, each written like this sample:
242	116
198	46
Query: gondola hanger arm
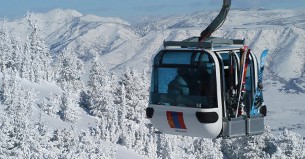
217	22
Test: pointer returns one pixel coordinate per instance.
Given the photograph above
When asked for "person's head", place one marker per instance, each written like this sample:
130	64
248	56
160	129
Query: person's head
182	71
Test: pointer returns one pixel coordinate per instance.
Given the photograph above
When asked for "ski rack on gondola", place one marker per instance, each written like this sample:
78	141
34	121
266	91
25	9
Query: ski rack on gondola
209	43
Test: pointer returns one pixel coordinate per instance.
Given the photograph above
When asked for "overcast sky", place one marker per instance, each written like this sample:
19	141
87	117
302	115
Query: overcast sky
12	9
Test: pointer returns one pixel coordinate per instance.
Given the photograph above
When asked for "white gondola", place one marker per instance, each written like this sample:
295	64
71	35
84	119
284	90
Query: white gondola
206	86
202	106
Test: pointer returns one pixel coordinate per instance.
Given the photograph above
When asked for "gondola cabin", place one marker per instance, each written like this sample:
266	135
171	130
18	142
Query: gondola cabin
193	89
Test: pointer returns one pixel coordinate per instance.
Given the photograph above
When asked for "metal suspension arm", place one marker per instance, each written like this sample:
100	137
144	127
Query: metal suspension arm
217	22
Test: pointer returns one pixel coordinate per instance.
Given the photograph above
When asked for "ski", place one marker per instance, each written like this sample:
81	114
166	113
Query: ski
258	100
242	82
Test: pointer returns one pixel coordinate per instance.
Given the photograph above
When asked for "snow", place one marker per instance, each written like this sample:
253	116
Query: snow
123	153
285	111
281	31
121	44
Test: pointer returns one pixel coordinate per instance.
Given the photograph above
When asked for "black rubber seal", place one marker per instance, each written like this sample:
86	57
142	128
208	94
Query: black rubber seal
149	112
207	117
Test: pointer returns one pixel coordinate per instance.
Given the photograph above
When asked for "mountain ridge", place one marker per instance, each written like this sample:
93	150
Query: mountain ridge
122	44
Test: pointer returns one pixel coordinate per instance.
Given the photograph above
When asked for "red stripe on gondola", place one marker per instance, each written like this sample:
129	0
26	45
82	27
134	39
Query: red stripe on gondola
181	120
170	119
175	117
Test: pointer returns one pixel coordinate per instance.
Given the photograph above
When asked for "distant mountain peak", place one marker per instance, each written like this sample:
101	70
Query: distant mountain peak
95	18
65	12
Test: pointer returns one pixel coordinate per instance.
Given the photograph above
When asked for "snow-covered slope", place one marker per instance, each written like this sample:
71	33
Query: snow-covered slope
48	22
122	45
85	36
84	33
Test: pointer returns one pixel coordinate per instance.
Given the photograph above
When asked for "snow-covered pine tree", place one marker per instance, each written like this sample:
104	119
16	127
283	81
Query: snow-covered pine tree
10	88
102	128
141	134
16	57
101	99
131	98
85	146
39	53
65	143
165	147
20	140
144	95
4	133
145	85
42	143
91	147
120	103
51	105
122	107
115	108
207	148
135	101
5	47
259	146
69	71
10	49
69	107
291	144
26	71
150	147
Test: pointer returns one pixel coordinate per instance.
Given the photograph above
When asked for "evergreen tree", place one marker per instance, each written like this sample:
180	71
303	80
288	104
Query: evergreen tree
20	136
51	105
5	46
26	69
69	107
259	146
41	143
206	148
135	101
40	57
100	90
11	87
101	99
70	70
122	108
92	147
16	57
10	49
291	144
164	148
150	147
65	142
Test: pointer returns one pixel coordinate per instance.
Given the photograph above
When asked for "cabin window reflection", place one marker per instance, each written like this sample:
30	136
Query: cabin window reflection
181	58
185	86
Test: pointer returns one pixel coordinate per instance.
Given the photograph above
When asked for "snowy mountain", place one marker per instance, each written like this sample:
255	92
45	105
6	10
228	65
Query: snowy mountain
79	116
281	31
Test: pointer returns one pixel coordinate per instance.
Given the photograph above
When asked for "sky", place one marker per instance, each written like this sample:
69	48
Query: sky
125	9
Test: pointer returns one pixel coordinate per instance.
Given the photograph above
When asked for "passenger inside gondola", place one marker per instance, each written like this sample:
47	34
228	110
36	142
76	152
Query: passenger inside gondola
184	79
191	88
178	86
